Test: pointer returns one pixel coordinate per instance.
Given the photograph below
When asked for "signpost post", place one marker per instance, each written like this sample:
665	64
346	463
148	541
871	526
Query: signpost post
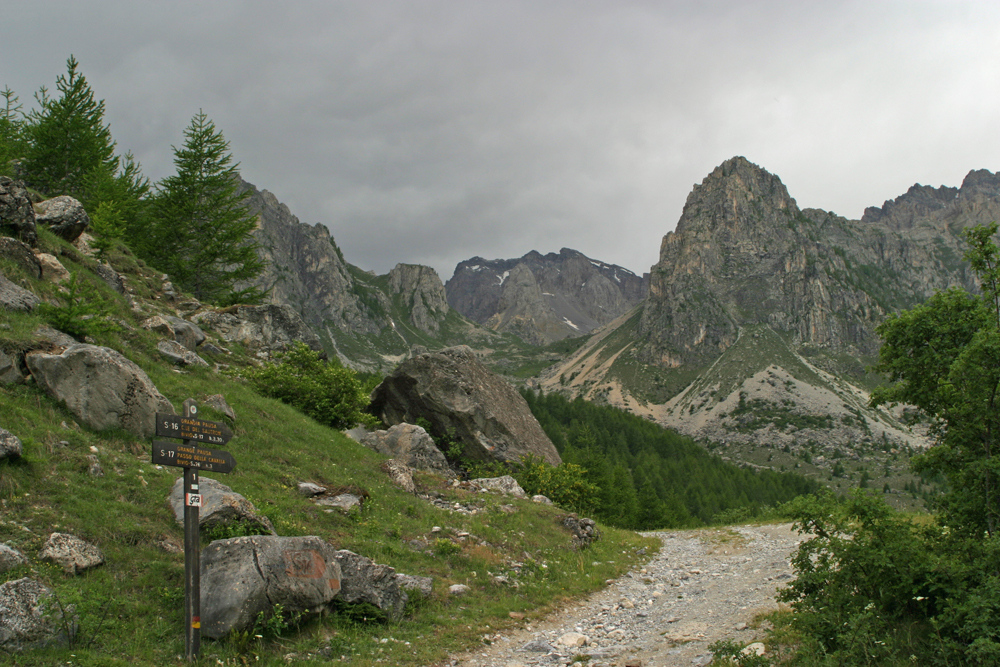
192	458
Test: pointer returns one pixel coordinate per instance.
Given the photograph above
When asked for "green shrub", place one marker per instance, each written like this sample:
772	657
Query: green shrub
86	312
565	485
327	392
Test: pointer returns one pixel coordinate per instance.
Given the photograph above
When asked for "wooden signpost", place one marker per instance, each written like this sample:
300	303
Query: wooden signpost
192	457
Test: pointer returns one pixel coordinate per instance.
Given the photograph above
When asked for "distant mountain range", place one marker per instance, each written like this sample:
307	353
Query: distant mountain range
754	328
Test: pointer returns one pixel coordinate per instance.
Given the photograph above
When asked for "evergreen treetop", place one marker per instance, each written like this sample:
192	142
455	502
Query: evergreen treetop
68	139
200	232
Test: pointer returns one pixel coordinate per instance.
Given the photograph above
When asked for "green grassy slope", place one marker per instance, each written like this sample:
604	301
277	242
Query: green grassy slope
138	592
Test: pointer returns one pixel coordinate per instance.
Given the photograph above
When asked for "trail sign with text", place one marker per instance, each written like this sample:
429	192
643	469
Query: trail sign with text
189	428
190	455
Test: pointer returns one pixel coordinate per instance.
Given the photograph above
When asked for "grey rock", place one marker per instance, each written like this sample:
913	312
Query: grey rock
178	354
10	558
10	369
220	505
71	553
505	484
186	333
111	278
308	489
10	445
209	348
538	646
54	336
344	501
539	498
20	253
422	293
366	581
245	576
101	387
543	298
28	617
218	402
53	270
411	446
305	267
271	328
158	324
422	586
17	216
458	590
64	216
400	474
453	391
14	297
417	545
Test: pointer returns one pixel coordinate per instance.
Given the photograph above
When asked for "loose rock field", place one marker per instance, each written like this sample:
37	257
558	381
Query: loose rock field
702	586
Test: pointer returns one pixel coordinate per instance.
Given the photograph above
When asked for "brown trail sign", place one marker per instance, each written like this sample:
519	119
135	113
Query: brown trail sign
192	458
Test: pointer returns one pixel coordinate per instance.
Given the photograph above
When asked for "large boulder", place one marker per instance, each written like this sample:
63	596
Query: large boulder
458	395
374	583
28	616
17	217
64	216
178	354
505	484
260	328
243	577
21	254
14	297
71	553
219	505
410	445
101	387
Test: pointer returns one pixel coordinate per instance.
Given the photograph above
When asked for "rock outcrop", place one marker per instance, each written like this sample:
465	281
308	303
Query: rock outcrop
243	577
17	216
10	445
101	387
466	402
269	328
542	298
422	293
305	268
367	581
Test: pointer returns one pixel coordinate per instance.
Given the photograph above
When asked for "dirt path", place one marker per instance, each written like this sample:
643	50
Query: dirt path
703	585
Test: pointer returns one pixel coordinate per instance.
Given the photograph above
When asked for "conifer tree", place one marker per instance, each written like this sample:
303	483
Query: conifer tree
12	143
68	140
200	229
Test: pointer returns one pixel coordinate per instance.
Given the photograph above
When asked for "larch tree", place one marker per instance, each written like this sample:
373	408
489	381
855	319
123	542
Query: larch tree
200	229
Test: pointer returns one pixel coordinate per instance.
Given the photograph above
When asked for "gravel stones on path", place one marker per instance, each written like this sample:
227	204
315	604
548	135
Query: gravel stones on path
702	586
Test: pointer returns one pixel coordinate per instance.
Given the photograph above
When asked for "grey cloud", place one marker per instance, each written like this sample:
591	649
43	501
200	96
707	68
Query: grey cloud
430	132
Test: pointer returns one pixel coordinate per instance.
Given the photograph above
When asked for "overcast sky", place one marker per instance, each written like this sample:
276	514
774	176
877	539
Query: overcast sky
431	132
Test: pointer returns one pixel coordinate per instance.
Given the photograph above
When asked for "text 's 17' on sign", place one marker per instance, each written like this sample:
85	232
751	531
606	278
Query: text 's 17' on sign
189	455
190	428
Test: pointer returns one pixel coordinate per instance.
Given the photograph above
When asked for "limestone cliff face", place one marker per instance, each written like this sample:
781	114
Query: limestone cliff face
543	298
743	253
422	293
305	268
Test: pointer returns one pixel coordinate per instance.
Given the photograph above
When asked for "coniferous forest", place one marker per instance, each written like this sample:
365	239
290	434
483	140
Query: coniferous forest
648	477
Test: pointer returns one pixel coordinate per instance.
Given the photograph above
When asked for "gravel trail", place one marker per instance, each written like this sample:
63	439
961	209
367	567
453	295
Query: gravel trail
702	586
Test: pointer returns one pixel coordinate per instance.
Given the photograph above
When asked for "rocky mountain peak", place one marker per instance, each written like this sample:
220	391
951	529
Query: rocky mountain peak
542	298
422	293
